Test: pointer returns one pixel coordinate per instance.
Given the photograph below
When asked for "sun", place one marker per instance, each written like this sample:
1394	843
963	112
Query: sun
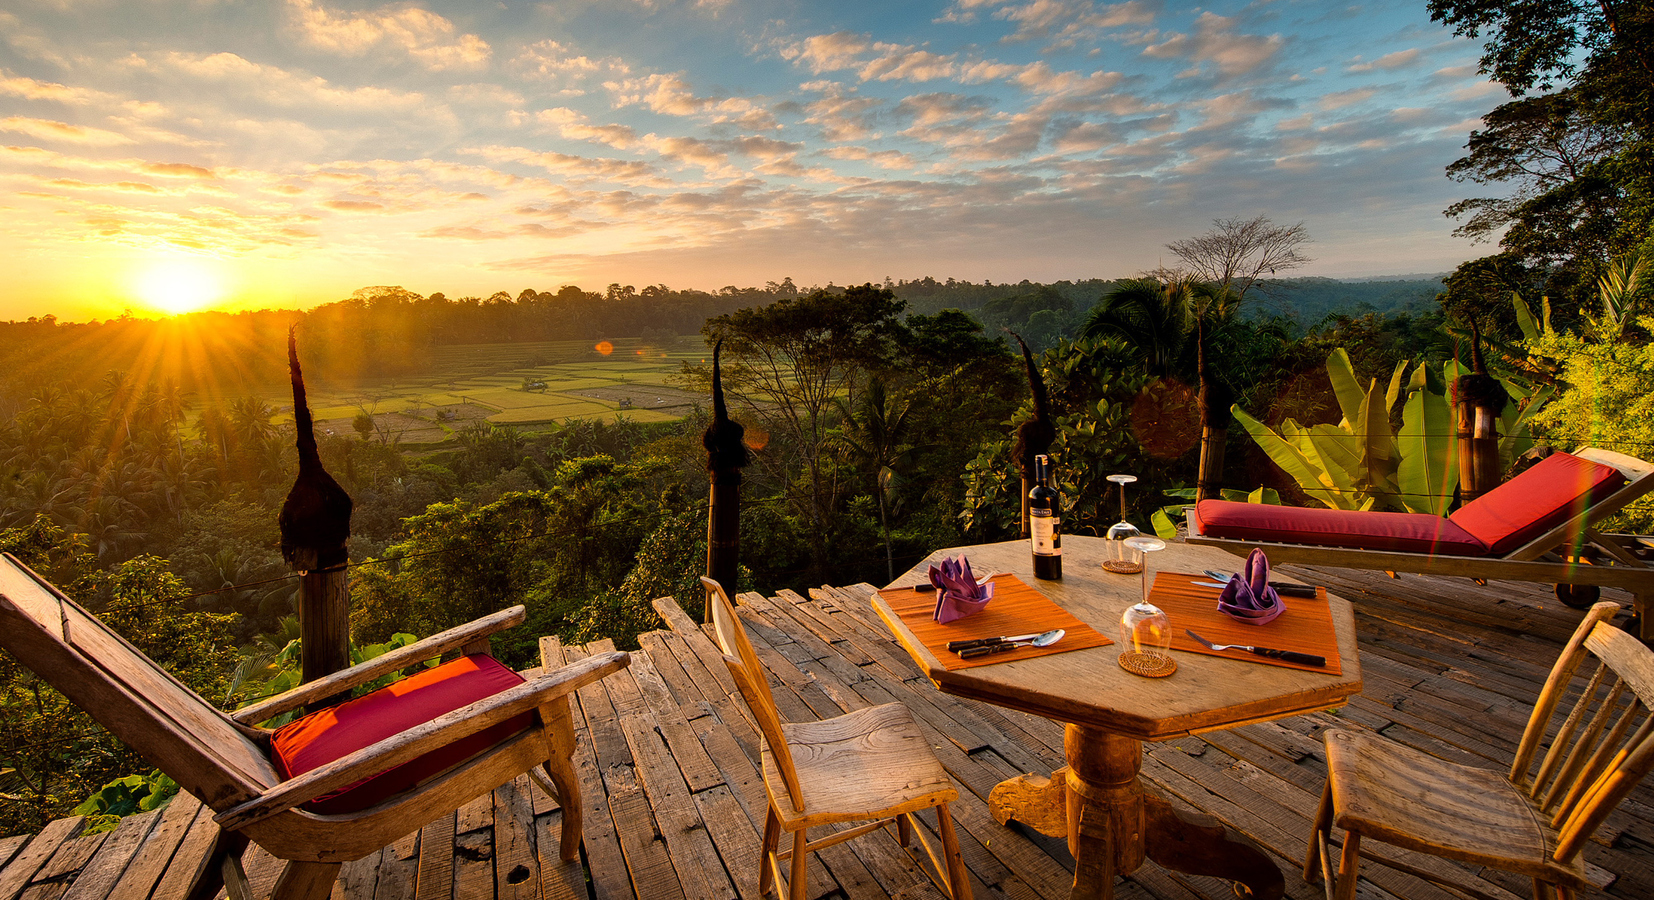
178	285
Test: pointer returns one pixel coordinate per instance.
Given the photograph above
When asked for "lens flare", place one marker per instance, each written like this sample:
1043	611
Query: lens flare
604	347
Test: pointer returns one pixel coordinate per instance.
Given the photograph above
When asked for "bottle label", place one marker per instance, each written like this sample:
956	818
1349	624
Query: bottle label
1043	528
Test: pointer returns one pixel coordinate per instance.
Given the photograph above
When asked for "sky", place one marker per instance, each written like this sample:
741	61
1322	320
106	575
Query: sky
160	156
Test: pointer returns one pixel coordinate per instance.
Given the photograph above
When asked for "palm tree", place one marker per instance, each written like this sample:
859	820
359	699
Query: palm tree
877	437
1173	326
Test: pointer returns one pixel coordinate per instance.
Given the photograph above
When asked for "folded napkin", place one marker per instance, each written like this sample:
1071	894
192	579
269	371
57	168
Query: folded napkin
957	593
1248	597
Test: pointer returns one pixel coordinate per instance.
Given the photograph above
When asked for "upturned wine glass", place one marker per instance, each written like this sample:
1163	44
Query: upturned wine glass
1145	631
1119	556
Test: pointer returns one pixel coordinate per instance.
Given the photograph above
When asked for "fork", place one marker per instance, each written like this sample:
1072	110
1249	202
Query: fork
1283	655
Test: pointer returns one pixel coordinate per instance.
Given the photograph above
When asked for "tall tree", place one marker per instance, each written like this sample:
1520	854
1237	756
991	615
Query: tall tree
1174	327
790	363
1578	155
1238	255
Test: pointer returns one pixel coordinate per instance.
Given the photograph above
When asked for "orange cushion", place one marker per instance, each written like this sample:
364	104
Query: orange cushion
1536	501
327	735
1401	532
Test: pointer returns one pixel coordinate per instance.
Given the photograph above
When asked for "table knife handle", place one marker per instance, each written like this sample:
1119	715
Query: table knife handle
1291	656
956	646
1294	590
974	652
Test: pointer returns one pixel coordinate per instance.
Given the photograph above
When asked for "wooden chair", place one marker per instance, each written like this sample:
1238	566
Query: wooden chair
870	764
1533	821
359	789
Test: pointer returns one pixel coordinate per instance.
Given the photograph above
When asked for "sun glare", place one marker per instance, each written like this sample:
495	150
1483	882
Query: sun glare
179	285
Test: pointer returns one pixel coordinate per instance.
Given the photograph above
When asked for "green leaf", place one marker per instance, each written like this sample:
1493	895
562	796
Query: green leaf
1345	385
1429	469
1524	316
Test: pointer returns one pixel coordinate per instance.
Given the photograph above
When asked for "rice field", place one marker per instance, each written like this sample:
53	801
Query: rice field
530	386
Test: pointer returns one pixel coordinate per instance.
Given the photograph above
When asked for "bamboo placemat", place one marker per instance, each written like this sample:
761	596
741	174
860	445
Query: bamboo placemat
1305	626
1016	608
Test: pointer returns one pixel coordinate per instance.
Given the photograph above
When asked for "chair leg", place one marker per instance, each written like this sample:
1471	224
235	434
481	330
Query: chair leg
559	729
796	887
904	829
766	853
209	873
959	880
1348	865
1319	831
305	881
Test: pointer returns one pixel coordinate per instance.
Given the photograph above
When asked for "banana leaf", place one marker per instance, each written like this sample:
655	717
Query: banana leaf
1429	469
1345	386
1289	452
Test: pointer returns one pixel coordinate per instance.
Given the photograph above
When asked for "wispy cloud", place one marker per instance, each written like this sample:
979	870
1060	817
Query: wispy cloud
49	130
427	38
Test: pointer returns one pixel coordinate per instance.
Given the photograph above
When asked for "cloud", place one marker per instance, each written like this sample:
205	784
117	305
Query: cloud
1214	42
279	87
427	38
1389	61
1060	23
553	60
884	159
1341	99
623	170
49	130
840	113
576	127
30	89
671	95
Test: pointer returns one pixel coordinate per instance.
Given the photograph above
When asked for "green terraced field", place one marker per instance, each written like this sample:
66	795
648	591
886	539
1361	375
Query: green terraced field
484	382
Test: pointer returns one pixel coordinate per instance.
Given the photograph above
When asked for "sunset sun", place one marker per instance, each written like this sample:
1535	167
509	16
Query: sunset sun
179	285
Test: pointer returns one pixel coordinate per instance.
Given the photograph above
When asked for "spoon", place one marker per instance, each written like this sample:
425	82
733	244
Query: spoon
1044	639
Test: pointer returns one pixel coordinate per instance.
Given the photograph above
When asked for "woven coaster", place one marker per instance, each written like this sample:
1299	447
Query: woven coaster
1148	665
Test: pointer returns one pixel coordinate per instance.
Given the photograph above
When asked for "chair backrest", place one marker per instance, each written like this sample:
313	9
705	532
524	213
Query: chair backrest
755	687
139	702
1604	734
1639	480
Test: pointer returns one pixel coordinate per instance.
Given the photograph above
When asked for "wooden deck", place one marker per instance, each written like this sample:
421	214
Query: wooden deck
674	802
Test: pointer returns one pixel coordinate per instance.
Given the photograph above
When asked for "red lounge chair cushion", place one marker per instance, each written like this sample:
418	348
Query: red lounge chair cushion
1536	501
327	735
1402	532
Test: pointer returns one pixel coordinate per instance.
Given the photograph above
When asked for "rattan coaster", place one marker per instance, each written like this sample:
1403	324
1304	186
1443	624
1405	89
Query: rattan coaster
1122	567
1149	665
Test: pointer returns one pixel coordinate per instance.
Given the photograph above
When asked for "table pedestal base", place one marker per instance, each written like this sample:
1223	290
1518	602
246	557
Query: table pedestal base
1098	803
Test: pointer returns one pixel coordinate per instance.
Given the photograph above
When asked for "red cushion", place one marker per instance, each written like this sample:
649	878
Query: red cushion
1536	501
326	735
1403	532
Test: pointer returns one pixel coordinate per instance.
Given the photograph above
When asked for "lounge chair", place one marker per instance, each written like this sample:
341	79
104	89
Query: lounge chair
1539	526
339	783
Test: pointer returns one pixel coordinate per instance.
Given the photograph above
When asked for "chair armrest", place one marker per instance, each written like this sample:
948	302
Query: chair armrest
400	658
415	742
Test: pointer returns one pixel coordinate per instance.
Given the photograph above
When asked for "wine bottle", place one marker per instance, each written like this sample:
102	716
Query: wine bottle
1044	524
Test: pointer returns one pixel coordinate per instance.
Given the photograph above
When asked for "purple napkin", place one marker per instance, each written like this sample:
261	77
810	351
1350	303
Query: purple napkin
957	593
1248	597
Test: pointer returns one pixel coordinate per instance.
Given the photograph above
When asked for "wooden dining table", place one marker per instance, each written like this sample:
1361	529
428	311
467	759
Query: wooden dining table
1098	801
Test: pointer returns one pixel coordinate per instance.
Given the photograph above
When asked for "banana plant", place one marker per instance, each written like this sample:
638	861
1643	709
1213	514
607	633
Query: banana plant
1360	463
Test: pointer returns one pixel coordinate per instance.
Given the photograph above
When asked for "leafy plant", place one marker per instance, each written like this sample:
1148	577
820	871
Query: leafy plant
122	797
1361	463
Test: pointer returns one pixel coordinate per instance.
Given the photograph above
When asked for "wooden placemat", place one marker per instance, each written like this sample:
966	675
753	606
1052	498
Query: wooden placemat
1016	608
1305	626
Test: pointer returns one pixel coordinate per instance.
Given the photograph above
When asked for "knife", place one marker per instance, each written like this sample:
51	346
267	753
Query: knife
1283	655
956	646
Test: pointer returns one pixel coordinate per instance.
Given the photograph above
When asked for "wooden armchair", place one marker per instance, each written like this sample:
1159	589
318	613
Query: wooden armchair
1534	820
337	784
870	764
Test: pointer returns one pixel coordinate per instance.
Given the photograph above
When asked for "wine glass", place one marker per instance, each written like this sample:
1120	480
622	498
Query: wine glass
1118	556
1145	631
